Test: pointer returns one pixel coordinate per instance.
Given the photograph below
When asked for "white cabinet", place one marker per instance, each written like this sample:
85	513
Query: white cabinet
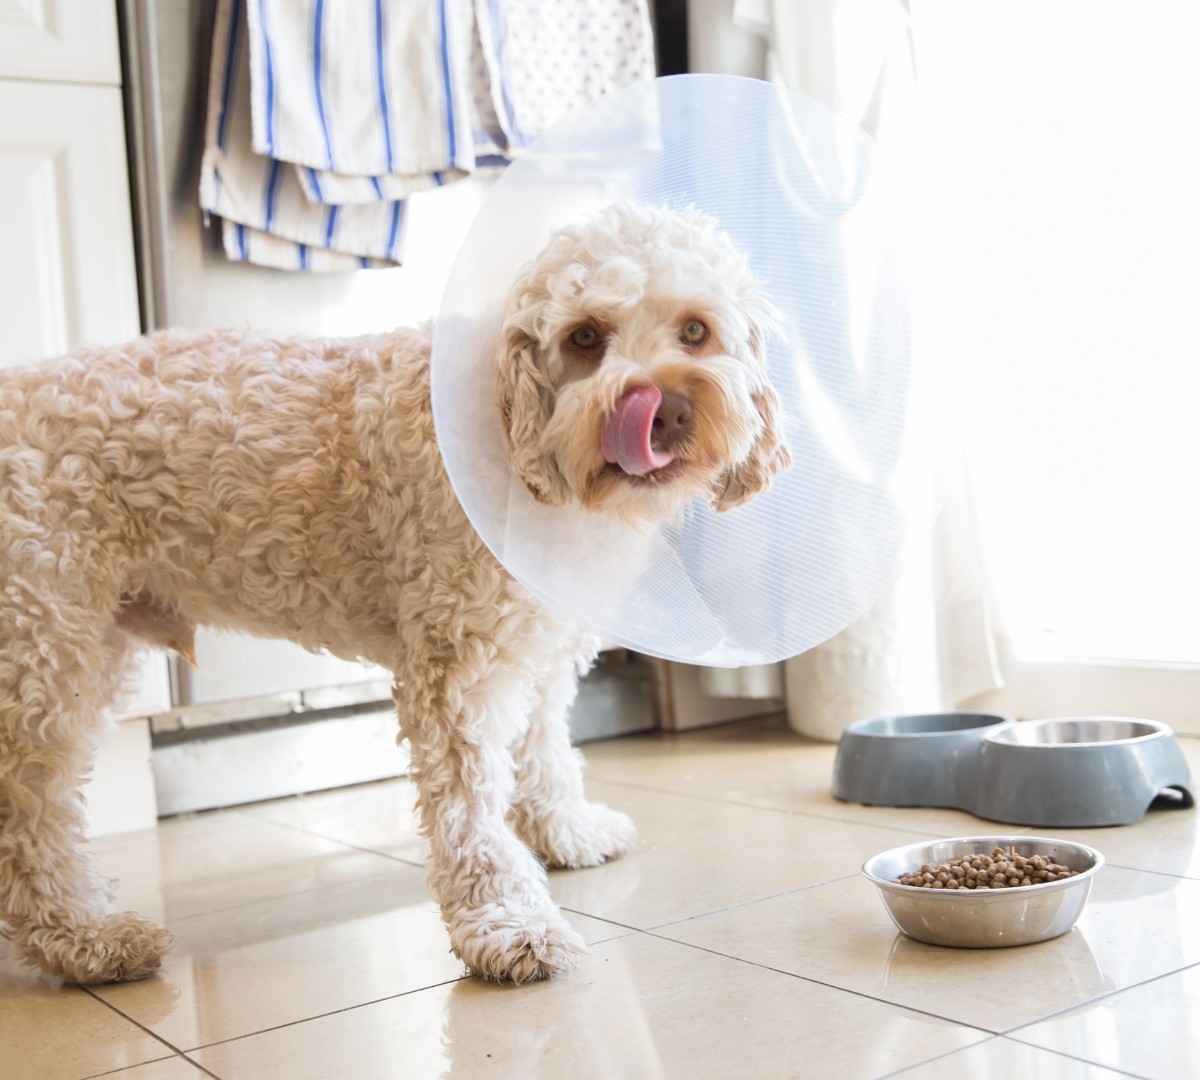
67	277
60	40
67	272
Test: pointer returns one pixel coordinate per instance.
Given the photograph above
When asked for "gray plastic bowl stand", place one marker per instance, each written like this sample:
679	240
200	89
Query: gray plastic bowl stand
1073	772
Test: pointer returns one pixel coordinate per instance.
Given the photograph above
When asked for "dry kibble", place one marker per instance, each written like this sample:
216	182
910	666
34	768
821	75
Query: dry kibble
999	870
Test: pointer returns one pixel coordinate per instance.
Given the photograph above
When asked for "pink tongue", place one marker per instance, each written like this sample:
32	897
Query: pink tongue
625	437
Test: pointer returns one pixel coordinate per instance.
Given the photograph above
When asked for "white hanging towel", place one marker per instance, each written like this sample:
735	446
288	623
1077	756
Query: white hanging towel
324	115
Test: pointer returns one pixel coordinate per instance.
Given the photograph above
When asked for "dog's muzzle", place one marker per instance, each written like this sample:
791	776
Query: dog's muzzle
640	432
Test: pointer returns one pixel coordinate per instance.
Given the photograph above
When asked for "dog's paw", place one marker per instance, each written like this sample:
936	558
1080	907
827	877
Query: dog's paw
503	945
586	835
121	948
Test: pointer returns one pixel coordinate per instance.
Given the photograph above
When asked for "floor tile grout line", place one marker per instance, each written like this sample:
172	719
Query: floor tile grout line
1013	1031
345	843
713	911
1119	1070
332	1012
937	1057
744	903
275	898
790	811
601	918
179	1056
986	1032
231	817
263	819
175	1050
899	1073
1145	870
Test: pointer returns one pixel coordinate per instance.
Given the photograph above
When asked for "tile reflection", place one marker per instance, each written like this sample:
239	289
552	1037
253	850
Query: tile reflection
1149	1028
641	1007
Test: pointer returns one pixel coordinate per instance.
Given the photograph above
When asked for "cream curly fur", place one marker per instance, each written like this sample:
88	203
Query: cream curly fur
294	488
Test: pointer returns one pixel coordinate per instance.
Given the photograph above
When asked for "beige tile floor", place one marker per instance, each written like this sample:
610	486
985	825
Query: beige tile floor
736	940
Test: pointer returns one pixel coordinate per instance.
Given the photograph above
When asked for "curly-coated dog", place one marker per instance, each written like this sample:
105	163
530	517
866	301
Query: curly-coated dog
293	488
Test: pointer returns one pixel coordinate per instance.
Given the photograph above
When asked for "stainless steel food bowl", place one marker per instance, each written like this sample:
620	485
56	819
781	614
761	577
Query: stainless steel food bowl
984	918
1078	772
930	759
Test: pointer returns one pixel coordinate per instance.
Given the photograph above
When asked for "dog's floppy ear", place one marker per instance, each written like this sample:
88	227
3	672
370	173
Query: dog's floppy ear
524	395
769	454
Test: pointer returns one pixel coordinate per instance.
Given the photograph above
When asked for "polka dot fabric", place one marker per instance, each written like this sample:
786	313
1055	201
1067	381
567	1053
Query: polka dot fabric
547	57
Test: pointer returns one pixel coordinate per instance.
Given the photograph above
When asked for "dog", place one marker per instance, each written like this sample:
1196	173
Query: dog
294	488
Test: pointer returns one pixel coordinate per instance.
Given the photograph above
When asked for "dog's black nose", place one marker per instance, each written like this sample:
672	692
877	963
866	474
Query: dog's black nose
672	420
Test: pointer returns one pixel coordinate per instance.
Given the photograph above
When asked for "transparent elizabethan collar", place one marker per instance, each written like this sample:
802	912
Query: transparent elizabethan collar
801	193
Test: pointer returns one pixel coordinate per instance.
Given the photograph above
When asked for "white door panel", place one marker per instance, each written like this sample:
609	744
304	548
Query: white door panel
63	40
68	276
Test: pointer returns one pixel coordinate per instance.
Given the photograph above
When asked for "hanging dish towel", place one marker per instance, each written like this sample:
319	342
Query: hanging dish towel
324	115
266	216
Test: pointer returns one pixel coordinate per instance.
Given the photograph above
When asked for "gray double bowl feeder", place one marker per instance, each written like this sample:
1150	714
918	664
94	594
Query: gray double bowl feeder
1070	772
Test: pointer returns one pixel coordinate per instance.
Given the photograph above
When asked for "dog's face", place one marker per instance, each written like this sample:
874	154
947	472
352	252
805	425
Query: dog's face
631	375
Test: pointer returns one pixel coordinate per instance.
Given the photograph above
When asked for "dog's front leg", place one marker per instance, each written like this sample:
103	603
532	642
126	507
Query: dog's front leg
492	890
55	904
550	812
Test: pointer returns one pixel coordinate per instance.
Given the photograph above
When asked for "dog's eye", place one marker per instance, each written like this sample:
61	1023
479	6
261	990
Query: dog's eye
694	332
586	337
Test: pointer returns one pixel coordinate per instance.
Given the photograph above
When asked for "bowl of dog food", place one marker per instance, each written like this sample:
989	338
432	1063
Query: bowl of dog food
985	892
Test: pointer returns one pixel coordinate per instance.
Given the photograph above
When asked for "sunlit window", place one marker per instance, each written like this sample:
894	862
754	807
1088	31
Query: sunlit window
1067	136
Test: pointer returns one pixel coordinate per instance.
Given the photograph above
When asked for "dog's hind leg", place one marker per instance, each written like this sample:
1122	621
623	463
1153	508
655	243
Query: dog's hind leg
550	812
461	715
58	669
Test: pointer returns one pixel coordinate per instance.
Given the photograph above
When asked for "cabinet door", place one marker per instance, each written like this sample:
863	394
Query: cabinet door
67	275
60	40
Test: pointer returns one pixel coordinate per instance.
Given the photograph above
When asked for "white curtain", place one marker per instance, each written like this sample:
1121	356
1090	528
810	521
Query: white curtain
930	643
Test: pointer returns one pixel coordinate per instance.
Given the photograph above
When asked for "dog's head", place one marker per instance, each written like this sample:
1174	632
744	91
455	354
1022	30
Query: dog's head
631	370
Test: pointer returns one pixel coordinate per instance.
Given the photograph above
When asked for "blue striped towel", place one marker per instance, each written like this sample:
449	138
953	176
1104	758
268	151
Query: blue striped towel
324	115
